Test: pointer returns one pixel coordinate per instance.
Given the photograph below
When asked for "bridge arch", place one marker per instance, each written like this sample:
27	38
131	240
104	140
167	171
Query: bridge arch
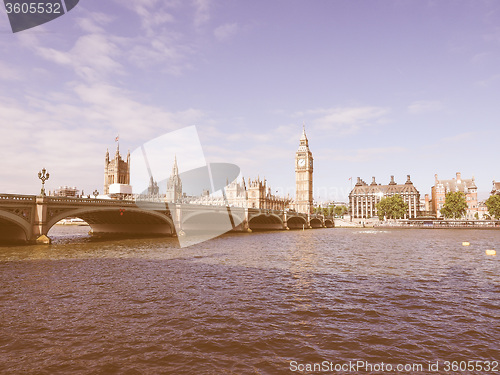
329	223
117	220
203	211
297	222
316	223
265	222
215	220
13	227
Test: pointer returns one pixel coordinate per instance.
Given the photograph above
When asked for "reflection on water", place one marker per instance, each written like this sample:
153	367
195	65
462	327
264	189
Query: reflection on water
248	303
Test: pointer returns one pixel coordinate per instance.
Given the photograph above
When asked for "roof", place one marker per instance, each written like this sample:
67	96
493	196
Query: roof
496	188
458	185
392	188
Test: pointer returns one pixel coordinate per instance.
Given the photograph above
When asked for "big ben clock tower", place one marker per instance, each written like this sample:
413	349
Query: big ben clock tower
304	176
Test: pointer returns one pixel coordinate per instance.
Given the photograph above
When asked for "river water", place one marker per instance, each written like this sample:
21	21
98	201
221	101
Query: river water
258	303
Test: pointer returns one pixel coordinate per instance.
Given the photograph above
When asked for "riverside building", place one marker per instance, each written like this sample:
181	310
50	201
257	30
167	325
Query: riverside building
466	186
363	198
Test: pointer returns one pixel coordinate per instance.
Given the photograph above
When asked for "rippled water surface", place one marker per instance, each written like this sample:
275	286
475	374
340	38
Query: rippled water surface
248	303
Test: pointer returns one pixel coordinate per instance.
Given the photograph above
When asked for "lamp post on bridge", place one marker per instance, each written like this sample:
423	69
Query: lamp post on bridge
43	175
96	193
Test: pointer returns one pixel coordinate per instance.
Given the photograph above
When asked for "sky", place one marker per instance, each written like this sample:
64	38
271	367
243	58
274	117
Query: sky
383	88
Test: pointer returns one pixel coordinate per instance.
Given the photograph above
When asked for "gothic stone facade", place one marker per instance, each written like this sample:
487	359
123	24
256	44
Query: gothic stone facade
174	185
255	194
304	176
363	198
116	171
259	195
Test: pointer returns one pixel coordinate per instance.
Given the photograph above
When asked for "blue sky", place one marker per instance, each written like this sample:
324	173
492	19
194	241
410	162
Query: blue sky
383	87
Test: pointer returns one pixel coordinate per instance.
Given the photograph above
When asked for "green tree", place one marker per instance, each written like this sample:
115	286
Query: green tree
493	204
331	210
455	205
383	208
340	210
392	207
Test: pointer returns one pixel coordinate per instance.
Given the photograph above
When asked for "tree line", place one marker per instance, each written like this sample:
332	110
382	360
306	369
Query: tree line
455	206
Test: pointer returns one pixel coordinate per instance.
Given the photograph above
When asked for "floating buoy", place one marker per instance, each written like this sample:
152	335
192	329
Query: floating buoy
465	243
491	252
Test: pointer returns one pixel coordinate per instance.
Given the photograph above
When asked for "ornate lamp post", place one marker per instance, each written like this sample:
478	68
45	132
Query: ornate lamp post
44	176
96	193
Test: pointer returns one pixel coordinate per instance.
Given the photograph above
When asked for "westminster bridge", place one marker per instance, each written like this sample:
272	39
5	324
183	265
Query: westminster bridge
29	217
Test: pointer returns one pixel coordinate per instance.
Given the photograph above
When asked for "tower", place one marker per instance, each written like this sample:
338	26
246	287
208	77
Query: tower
174	185
116	171
304	176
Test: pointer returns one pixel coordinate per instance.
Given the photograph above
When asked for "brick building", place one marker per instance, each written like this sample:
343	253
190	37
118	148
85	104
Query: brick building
466	186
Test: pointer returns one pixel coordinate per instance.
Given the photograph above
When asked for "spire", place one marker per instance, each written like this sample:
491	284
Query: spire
175	168
304	143
304	136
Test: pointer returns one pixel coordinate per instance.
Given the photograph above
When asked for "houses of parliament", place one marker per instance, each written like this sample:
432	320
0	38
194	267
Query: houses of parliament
252	193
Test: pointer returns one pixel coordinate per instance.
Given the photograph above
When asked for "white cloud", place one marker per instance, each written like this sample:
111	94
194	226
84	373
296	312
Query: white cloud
68	132
226	31
480	57
152	13
9	73
93	57
458	138
424	106
489	81
93	22
169	52
361	155
202	12
102	52
345	120
98	54
493	35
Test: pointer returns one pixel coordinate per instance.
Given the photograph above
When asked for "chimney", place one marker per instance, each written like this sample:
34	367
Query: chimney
392	181
408	181
373	181
459	177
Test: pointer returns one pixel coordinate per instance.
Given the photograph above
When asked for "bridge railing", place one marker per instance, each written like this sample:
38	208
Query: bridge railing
269	211
17	198
89	201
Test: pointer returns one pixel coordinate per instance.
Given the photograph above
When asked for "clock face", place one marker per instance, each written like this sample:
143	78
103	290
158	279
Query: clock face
302	162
